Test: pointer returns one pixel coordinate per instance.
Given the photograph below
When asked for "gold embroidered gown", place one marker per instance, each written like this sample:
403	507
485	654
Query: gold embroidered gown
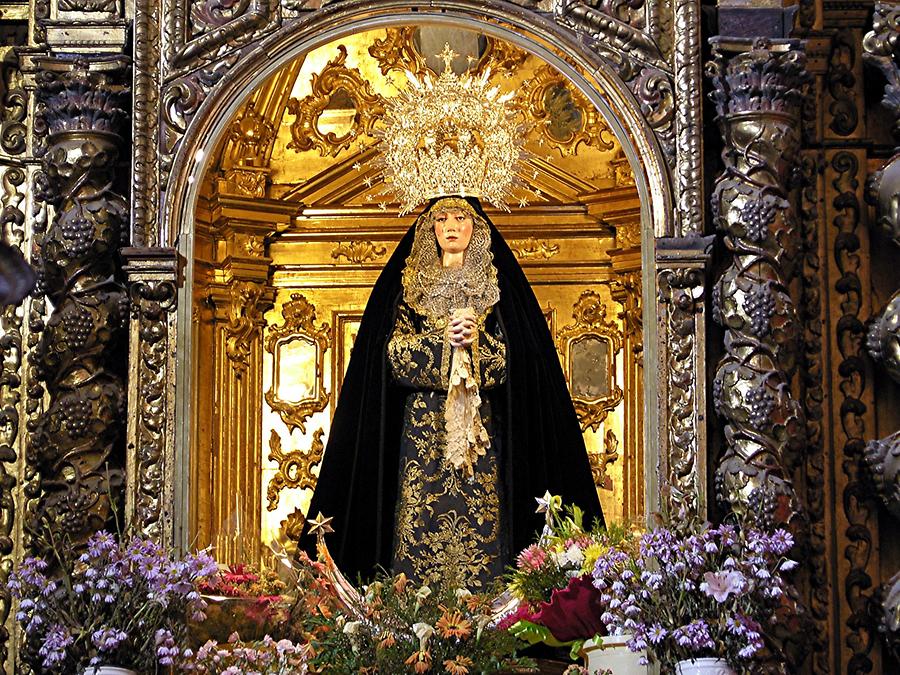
448	527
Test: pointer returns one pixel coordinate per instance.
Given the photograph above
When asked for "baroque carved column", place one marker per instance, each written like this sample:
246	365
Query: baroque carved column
78	443
882	456
758	92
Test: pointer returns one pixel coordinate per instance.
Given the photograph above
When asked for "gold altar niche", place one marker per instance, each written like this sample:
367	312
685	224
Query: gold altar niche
292	230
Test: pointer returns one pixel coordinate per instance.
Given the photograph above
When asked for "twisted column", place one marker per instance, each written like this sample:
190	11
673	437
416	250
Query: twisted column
758	92
882	456
78	444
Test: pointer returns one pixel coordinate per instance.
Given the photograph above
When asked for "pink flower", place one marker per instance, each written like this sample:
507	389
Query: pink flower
720	585
532	557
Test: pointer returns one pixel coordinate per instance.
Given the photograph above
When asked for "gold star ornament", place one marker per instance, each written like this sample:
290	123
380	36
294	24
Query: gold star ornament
320	525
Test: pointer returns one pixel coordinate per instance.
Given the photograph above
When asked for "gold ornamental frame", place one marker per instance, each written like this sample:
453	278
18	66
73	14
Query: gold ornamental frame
299	325
335	77
591	325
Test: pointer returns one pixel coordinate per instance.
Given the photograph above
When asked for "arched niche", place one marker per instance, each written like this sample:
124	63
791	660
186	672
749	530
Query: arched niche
591	75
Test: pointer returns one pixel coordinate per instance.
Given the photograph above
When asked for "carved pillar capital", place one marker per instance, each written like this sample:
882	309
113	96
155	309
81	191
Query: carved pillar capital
681	279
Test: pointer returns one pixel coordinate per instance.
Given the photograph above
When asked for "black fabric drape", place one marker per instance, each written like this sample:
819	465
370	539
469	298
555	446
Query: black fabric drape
542	448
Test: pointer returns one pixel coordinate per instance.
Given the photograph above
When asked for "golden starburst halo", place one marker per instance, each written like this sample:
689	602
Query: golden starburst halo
451	135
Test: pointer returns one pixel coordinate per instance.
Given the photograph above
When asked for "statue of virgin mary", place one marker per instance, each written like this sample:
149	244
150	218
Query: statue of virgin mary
454	414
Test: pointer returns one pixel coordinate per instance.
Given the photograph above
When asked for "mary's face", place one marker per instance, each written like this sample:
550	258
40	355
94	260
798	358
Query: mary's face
453	230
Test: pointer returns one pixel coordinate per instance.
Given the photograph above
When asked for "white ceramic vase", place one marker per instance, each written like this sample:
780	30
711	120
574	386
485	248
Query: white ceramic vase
706	666
612	653
107	670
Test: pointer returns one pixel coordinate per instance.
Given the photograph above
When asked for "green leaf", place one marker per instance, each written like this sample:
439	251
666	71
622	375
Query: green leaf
533	633
575	651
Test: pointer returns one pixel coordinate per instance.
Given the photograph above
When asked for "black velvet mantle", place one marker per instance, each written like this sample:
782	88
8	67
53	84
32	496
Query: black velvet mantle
542	447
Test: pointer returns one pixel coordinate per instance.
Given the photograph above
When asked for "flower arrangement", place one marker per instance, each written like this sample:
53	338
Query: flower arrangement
400	628
552	581
113	604
236	657
242	599
695	591
245	581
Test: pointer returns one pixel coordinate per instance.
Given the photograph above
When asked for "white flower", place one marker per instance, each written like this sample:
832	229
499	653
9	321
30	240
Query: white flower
574	555
463	593
352	627
423	631
421	595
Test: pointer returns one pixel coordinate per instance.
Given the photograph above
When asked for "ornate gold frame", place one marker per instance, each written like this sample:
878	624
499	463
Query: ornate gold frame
589	312
294	467
299	324
593	127
335	76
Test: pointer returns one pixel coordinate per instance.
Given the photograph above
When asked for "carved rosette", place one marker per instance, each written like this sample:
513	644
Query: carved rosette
758	94
77	445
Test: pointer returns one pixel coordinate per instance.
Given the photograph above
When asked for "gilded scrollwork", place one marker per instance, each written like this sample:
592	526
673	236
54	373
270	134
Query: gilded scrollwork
397	51
637	57
681	294
153	302
89	6
758	94
244	319
12	219
688	118
145	125
500	55
358	252
532	248
14	108
299	326
602	459
251	133
180	100
295	468
334	79
564	116
589	347
77	444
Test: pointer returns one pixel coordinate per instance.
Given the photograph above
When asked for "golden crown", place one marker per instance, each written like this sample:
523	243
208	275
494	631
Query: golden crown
451	135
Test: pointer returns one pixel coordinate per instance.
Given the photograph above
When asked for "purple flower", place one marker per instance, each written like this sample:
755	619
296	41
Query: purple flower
108	639
53	648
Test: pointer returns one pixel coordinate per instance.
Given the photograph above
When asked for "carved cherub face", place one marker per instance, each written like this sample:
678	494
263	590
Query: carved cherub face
453	229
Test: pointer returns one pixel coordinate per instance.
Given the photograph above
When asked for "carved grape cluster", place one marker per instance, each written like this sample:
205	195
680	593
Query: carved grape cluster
760	307
78	230
763	504
719	396
756	216
78	325
76	414
760	404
